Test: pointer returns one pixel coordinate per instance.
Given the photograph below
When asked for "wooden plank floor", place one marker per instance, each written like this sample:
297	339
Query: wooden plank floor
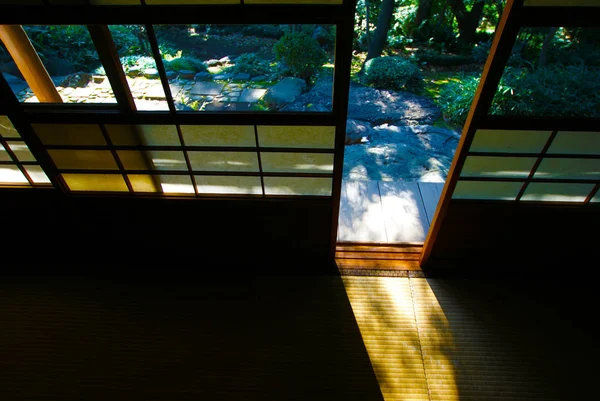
387	211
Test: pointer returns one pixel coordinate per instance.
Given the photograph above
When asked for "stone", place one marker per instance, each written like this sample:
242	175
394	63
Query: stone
77	80
241	77
222	77
252	95
171	75
187	74
151	73
98	79
67	91
82	92
357	131
213	63
203	76
225	60
207	88
285	91
134	72
259	78
155	92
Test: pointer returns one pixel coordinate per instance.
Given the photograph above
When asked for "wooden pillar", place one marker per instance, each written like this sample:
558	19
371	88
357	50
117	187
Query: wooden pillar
27	60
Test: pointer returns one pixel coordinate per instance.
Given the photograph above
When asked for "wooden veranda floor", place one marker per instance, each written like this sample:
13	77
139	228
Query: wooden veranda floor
387	211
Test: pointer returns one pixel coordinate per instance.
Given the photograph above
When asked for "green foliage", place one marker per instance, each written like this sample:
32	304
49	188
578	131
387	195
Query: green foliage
397	73
250	63
184	63
64	48
301	54
557	90
140	62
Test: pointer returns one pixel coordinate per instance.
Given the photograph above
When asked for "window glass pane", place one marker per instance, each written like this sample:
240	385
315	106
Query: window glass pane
69	134
293	1
83	159
21	150
228	185
176	184
95	182
297	162
121	135
11	175
556	192
582	169
581	143
298	186
296	137
159	135
4	156
143	183
70	58
552	72
169	2
508	167
224	161
486	140
114	2
38	176
139	66
221	68
596	198
152	160
486	190
7	130
218	135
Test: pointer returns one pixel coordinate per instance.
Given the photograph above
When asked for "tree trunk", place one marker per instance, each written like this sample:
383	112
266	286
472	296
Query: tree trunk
383	25
423	12
541	61
468	21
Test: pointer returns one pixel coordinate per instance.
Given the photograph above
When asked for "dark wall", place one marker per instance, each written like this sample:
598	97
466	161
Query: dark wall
46	226
500	236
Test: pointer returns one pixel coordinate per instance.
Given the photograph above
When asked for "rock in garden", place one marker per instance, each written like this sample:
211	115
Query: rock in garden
259	78
187	74
241	77
213	63
203	76
285	91
134	72
98	79
222	77
171	75
151	73
225	60
77	80
357	131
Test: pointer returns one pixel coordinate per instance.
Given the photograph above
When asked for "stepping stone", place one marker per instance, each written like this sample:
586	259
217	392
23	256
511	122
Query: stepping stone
155	92
207	88
222	77
82	92
151	73
203	76
241	77
187	74
175	89
171	75
259	78
252	95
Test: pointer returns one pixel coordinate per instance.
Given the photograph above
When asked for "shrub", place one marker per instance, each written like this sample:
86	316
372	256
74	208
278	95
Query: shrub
184	63
557	90
141	62
396	73
301	54
250	63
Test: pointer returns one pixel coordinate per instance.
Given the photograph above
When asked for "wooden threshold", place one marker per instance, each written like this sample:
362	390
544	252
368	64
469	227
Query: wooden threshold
360	259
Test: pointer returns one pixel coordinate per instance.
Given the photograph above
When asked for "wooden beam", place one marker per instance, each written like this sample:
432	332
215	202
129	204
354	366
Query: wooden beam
27	60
